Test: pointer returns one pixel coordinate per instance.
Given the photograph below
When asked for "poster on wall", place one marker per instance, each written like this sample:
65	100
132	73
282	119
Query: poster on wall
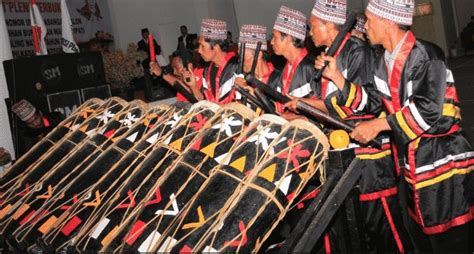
101	92
64	102
88	17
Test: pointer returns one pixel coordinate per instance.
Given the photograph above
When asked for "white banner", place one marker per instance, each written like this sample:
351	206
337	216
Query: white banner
69	43
87	17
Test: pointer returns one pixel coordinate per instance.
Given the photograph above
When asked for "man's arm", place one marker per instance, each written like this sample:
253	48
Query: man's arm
422	111
192	84
316	103
356	93
364	132
191	87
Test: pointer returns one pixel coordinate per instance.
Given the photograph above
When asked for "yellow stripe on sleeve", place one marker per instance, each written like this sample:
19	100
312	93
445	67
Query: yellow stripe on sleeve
338	109
451	110
403	124
352	94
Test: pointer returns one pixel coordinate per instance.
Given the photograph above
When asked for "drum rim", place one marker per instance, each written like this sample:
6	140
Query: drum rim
272	118
241	109
140	103
313	129
205	104
163	107
117	99
93	100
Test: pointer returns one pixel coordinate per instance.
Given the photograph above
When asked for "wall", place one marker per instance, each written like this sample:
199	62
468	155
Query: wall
449	23
464	10
224	10
5	54
264	12
432	28
163	18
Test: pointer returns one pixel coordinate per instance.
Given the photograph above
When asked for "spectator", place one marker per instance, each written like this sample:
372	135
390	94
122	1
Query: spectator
36	124
186	40
143	43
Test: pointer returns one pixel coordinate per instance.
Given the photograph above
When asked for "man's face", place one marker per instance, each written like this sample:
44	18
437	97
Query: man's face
205	50
145	35
177	66
375	28
184	30
35	121
279	43
318	31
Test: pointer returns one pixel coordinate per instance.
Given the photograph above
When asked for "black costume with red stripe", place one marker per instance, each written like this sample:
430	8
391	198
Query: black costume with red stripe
383	224
420	96
217	81
380	209
296	79
270	78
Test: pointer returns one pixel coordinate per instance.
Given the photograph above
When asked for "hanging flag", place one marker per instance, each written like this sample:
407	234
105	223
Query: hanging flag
38	29
67	39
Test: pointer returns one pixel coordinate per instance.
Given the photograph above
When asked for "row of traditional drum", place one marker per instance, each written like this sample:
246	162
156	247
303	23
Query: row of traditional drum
118	176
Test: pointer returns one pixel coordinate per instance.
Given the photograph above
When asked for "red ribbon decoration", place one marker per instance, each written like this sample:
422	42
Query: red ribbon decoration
151	44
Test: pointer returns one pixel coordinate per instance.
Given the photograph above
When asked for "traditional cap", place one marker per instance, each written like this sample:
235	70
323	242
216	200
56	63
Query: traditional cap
291	22
252	34
214	29
24	110
398	11
334	11
360	24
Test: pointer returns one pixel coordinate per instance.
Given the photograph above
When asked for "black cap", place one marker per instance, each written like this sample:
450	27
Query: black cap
145	30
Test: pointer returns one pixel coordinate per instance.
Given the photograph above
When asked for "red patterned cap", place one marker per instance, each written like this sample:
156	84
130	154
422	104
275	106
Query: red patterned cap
214	29
291	22
360	24
24	110
398	11
252	34
334	11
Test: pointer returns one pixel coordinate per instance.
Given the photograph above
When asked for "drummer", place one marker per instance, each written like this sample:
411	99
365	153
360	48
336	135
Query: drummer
251	35
214	82
378	184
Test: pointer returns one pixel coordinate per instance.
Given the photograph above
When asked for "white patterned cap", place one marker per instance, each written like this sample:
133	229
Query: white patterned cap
398	11
252	34
24	110
360	23
334	11
291	22
214	29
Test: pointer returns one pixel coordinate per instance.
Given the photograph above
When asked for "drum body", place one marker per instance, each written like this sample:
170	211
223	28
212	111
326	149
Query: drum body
248	219
187	175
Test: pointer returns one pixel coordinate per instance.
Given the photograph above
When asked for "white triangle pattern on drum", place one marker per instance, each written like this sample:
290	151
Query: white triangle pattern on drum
284	184
221	160
153	138
133	137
